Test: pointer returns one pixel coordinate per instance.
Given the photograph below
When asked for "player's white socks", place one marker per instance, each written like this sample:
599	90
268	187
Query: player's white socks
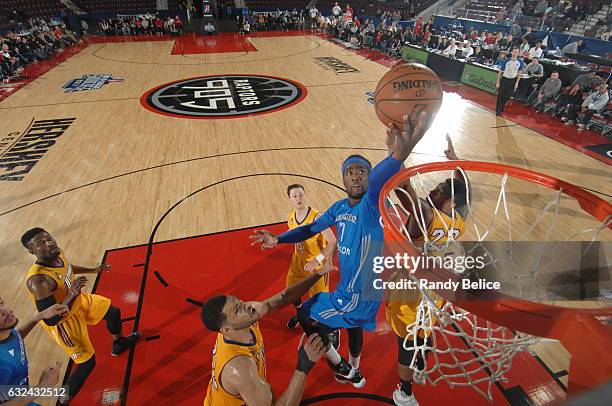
354	361
333	356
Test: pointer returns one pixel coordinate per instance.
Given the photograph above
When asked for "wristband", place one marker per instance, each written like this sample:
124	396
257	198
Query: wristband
320	258
303	363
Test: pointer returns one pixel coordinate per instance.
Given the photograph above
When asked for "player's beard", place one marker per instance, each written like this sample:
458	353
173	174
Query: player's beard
357	196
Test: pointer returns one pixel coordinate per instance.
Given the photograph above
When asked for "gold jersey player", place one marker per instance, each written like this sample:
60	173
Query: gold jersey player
52	280
309	255
440	227
239	361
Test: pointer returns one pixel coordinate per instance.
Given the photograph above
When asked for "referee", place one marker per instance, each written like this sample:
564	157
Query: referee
508	79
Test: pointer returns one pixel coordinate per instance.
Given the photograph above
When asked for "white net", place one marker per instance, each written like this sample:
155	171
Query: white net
465	350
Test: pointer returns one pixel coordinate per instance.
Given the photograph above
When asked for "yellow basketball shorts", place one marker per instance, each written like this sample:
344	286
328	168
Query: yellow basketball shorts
294	276
71	333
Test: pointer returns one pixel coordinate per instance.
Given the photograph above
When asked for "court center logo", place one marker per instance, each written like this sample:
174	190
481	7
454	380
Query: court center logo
224	96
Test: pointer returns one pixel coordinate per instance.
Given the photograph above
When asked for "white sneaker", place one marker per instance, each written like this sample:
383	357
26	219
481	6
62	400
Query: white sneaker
401	399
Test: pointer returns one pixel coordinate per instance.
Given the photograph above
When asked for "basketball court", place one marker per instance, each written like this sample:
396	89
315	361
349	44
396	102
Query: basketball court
168	196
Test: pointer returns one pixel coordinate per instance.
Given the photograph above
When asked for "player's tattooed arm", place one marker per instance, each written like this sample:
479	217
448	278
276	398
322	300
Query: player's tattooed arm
99	269
291	294
53	311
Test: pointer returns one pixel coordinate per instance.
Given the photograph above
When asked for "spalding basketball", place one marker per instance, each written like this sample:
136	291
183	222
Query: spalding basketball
407	88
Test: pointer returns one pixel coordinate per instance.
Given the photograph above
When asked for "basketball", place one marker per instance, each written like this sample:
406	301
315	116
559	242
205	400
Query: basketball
407	88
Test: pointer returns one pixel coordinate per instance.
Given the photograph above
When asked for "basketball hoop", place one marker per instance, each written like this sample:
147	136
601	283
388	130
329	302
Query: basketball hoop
494	326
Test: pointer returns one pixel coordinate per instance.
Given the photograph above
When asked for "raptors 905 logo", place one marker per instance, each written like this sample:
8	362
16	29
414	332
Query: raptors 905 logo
226	96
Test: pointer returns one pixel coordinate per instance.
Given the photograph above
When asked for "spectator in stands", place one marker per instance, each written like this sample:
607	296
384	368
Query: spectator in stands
572	47
524	48
547	92
588	80
536	51
336	10
501	58
515	30
24	51
450	50
571	96
528	35
313	16
158	24
418	26
443	44
477	56
540	8
348	12
498	38
179	25
145	26
10	64
491	39
534	69
467	51
84	27
594	103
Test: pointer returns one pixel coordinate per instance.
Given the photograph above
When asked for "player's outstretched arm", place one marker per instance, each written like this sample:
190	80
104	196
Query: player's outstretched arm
240	376
99	269
53	311
290	294
400	144
299	234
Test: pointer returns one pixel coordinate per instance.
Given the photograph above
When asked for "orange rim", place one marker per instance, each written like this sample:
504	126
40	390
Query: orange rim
589	363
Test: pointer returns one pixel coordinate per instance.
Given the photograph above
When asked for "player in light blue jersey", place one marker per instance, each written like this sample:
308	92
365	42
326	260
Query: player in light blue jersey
354	303
13	358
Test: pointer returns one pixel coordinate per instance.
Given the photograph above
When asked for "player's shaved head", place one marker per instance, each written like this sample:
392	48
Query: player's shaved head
212	312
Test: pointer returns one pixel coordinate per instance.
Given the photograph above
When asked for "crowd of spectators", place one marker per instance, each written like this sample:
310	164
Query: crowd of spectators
34	40
556	15
146	24
573	105
278	20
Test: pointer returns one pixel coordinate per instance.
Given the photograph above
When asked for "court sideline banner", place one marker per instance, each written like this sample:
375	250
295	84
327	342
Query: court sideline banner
482	78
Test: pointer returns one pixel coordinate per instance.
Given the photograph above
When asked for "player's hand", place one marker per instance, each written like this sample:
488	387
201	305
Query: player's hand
390	139
415	125
55	310
327	267
311	265
50	376
102	268
497	85
257	310
450	150
79	283
265	238
313	346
